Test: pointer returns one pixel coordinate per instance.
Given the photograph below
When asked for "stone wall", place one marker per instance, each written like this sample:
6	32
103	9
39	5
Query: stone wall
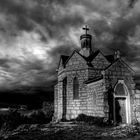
56	101
99	63
59	108
75	67
76	106
92	73
120	71
93	98
137	105
95	101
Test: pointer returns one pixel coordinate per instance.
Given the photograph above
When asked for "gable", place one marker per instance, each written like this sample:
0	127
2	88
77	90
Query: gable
120	66
60	65
63	59
76	61
100	61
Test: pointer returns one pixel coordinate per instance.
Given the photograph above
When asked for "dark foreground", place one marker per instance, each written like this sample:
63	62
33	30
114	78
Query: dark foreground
71	131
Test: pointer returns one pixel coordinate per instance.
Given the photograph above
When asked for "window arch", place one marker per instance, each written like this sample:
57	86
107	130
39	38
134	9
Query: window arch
75	88
120	89
85	43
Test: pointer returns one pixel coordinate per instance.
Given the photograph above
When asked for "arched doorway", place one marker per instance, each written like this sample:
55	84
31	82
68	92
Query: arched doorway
121	103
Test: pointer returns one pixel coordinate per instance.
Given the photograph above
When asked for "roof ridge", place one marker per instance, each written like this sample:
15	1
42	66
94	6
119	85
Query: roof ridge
122	62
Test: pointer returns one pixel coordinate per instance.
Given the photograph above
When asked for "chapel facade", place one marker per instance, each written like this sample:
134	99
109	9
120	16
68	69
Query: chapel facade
95	84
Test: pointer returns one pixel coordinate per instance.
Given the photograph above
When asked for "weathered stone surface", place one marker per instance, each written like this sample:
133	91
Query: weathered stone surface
95	98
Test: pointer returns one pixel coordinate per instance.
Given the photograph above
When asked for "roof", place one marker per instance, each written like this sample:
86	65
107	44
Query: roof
121	60
64	58
88	59
92	56
110	58
93	79
136	77
72	55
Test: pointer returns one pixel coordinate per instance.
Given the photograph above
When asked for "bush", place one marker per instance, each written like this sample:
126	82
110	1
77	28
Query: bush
37	116
48	109
12	120
90	119
43	115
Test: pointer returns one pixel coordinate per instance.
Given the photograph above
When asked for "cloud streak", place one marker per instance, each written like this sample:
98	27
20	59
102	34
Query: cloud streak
33	33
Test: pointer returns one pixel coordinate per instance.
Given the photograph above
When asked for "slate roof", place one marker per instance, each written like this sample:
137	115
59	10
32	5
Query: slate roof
94	79
110	58
92	56
64	58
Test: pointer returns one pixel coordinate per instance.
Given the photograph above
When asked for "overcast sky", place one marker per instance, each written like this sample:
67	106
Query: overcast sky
33	34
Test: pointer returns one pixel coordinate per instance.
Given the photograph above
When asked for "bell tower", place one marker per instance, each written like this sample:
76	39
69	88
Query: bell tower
86	42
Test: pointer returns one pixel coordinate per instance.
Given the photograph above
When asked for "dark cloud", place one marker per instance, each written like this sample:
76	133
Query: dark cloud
33	34
132	3
4	63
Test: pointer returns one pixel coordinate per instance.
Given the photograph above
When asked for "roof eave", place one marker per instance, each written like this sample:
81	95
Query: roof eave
93	80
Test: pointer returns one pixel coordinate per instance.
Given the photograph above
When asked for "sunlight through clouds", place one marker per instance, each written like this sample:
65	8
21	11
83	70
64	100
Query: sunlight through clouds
33	34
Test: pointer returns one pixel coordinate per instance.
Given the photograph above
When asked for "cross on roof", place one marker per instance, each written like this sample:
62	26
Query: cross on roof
86	28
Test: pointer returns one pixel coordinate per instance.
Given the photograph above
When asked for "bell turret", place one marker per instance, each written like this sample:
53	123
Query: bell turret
86	48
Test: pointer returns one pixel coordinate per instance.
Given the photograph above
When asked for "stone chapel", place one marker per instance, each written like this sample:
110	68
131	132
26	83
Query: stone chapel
95	84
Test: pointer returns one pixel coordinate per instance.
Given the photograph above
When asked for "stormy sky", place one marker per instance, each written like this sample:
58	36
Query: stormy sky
33	34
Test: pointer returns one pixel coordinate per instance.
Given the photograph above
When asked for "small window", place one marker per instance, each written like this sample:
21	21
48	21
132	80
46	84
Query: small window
120	90
75	88
85	43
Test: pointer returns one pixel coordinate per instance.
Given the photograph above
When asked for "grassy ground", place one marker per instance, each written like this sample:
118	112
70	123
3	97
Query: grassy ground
71	131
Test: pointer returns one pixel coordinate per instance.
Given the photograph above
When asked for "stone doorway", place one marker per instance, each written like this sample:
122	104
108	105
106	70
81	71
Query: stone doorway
120	110
64	99
121	104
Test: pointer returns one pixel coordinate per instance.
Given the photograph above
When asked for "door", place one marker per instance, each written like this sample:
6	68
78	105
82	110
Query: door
120	110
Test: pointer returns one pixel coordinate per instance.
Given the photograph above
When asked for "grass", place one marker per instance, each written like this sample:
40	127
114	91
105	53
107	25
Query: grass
70	131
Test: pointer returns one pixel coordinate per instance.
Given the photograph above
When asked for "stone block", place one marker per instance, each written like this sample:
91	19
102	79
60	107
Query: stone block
73	111
76	108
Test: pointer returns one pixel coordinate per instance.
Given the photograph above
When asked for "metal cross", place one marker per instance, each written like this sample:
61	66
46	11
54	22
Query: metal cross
86	28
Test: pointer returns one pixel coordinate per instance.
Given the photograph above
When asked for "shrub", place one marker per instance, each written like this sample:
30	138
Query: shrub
37	116
11	120
90	119
48	109
43	115
14	118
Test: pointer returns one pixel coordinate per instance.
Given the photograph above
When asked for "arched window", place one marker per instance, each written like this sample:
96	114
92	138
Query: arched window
120	90
75	88
85	43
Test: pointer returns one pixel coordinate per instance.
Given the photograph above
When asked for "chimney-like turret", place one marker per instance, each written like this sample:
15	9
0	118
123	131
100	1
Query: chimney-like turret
86	48
117	54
